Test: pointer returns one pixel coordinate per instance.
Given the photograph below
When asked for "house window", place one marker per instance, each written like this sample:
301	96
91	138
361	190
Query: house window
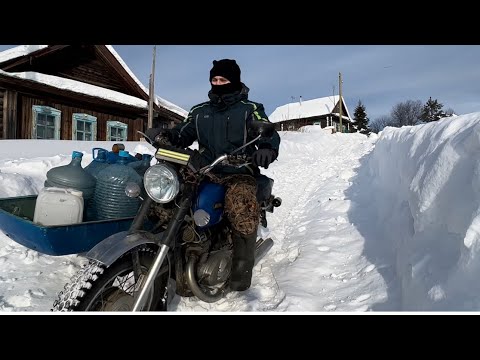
116	131
45	122
84	127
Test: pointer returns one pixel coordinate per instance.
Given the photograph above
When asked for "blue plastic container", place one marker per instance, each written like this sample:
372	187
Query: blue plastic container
98	163
113	156
142	165
110	200
72	176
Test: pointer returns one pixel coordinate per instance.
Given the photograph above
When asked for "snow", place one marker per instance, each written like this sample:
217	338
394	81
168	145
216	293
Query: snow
385	223
19	51
306	109
80	87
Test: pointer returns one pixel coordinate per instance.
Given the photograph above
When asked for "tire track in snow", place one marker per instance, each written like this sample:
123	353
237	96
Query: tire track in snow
308	174
343	280
265	294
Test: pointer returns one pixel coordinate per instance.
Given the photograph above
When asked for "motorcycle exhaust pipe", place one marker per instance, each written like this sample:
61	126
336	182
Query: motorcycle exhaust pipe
192	283
262	246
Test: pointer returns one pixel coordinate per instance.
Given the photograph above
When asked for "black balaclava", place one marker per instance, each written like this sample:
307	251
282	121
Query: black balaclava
230	70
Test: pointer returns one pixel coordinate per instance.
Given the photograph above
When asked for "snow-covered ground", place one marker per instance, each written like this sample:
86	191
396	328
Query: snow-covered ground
379	223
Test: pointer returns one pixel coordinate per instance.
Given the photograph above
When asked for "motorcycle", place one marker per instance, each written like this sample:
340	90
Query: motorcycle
179	241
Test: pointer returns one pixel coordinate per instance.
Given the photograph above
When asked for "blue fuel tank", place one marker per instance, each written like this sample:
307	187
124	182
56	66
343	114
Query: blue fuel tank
210	199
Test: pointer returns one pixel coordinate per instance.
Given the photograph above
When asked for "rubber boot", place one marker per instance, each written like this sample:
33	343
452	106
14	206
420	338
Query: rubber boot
243	259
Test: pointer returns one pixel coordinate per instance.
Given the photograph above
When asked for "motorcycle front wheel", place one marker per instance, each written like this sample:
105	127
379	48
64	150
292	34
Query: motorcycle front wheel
98	288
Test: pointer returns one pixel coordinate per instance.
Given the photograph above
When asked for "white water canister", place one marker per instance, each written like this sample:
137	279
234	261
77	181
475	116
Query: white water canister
58	206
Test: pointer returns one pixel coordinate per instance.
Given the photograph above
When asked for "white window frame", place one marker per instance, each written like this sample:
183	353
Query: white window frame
118	125
46	110
85	118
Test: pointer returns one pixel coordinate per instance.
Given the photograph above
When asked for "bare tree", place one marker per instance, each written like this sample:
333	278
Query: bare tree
407	113
380	123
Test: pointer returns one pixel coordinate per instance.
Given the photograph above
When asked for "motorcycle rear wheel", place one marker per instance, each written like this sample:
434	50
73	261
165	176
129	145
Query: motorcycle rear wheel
97	288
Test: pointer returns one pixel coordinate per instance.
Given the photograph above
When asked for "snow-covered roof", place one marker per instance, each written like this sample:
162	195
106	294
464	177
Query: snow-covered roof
170	106
23	50
80	87
19	51
306	108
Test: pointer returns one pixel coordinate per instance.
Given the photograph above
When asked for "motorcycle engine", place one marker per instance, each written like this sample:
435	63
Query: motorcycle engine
213	246
216	269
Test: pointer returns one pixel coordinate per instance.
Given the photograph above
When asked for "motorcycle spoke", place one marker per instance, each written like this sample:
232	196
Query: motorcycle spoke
119	287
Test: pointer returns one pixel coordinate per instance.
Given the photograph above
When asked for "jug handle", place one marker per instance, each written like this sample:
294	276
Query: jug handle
56	189
98	151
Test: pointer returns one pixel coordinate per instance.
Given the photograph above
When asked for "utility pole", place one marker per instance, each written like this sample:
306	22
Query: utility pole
333	101
151	88
288	107
340	102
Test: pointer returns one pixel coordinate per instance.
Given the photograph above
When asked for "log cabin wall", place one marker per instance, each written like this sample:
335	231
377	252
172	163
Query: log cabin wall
9	114
26	119
295	124
2	92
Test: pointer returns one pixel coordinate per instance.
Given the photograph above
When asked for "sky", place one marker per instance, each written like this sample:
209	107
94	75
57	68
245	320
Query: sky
381	76
385	223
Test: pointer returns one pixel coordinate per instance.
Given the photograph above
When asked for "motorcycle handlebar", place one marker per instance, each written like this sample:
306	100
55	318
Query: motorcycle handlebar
238	160
229	160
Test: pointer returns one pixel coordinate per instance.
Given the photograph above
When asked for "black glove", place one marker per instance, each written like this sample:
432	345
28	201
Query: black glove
264	157
160	136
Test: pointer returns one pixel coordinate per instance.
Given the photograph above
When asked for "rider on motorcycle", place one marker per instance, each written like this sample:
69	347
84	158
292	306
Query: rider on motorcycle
220	126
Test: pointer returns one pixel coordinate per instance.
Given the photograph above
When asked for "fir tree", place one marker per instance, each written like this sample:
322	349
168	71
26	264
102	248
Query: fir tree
432	111
361	119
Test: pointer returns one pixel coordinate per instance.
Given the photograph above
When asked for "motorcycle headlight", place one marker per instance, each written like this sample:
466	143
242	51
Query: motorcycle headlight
161	183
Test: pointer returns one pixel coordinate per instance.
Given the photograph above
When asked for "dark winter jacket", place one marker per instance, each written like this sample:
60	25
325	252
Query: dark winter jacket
220	126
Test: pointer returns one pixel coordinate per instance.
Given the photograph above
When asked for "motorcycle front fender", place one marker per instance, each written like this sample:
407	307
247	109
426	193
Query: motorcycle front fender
113	247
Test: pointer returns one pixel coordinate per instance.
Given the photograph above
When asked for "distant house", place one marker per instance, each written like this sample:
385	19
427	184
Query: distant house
79	92
322	111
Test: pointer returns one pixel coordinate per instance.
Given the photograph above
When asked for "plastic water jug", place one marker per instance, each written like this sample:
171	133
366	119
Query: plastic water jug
72	176
141	166
58	206
110	200
98	163
113	156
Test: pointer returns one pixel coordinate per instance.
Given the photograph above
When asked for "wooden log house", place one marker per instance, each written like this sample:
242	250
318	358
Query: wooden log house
75	92
321	111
